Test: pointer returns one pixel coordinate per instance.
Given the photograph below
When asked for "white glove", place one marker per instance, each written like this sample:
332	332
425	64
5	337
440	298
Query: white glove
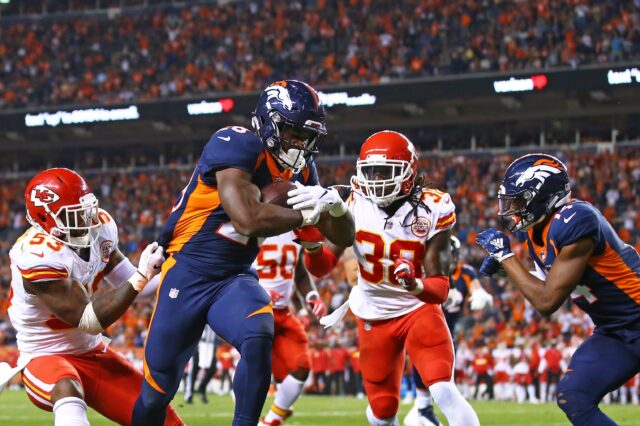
149	266
480	299
317	198
453	302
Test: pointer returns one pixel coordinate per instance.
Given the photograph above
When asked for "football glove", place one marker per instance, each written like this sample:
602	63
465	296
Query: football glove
496	243
151	260
309	237
454	301
275	295
480	299
405	273
316	304
317	198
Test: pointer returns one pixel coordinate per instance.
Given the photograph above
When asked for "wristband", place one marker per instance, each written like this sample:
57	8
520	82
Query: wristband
138	281
505	257
311	295
89	321
340	209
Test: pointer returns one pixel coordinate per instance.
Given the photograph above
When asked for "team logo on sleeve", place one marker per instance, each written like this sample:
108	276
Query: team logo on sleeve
420	226
41	196
105	250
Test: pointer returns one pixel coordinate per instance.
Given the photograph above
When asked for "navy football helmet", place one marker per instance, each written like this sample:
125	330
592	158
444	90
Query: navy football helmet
289	119
533	186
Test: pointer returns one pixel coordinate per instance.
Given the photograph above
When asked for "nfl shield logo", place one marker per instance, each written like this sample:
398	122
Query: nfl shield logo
173	293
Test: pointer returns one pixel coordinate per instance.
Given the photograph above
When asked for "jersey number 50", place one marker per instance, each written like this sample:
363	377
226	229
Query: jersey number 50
379	257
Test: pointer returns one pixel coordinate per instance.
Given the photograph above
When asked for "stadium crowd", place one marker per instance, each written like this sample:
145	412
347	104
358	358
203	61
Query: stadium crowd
143	54
506	352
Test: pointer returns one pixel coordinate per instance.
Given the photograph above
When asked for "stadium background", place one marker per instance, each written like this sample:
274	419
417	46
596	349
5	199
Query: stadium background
128	91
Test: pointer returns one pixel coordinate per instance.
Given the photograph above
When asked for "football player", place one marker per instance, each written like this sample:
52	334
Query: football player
56	266
464	281
403	248
577	255
281	271
213	235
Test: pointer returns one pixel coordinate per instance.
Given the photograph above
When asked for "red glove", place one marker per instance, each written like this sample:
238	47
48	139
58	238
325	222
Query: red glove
316	304
405	273
309	237
275	296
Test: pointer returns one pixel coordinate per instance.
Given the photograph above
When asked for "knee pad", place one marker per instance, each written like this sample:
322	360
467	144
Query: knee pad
384	406
257	350
303	362
153	399
573	401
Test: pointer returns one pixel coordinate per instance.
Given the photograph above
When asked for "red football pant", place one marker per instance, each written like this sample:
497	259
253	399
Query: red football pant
425	336
290	345
110	383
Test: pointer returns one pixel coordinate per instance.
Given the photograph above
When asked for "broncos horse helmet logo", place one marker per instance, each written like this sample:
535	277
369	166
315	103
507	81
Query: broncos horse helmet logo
541	170
281	93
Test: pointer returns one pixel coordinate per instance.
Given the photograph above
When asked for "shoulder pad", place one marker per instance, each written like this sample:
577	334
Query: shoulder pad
45	261
573	222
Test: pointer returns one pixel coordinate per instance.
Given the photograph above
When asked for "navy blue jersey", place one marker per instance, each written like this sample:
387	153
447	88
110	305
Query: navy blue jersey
198	231
461	280
609	290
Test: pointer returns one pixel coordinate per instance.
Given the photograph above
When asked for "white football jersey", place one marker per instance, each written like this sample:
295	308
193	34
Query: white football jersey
276	266
39	258
380	239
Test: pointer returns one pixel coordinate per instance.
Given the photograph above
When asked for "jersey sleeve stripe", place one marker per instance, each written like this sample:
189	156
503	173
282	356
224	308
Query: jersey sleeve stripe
203	200
446	221
611	266
43	273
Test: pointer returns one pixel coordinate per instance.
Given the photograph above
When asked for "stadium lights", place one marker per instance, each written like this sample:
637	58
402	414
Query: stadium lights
215	107
81	116
528	84
623	77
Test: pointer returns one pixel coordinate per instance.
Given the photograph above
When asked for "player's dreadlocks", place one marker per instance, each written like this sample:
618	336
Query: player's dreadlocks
415	199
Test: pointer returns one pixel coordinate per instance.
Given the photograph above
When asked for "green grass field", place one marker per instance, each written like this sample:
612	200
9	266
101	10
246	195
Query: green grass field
16	409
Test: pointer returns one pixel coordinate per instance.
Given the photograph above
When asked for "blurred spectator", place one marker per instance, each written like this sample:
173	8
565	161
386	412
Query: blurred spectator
149	53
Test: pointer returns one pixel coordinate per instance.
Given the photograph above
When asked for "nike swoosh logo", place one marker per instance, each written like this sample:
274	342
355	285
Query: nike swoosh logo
567	219
41	254
225	138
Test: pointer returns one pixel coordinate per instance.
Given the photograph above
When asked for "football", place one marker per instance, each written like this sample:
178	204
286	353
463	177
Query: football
276	192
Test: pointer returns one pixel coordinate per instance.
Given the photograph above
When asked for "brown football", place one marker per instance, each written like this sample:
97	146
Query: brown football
276	192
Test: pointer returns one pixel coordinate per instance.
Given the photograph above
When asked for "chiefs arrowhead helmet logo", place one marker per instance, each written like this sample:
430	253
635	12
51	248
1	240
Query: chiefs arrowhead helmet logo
41	196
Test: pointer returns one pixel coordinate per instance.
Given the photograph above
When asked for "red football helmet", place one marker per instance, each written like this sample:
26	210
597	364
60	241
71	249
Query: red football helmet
60	204
387	167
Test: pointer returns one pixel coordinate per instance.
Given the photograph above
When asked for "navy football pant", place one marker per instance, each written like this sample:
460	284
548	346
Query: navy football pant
236	308
603	363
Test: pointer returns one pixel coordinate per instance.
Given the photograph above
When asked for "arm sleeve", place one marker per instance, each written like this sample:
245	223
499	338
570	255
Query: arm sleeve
230	147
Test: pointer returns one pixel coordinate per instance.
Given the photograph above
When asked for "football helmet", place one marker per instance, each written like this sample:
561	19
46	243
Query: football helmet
290	121
455	250
60	204
533	186
387	167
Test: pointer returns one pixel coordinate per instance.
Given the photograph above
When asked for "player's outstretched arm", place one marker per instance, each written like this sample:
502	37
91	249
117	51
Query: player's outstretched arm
563	277
339	230
306	286
241	201
70	302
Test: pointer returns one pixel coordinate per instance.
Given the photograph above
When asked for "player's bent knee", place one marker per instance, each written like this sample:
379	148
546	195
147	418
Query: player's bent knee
384	407
574	401
300	374
67	388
